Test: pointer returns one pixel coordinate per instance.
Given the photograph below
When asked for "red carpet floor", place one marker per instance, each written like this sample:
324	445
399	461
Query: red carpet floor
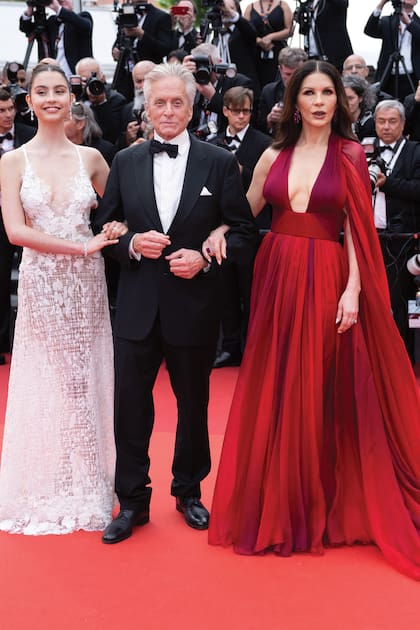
166	577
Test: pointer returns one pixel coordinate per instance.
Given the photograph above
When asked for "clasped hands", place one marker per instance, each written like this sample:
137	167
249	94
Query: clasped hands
183	263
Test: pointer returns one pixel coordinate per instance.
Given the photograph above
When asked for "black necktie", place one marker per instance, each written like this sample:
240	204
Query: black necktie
386	147
7	136
230	139
158	147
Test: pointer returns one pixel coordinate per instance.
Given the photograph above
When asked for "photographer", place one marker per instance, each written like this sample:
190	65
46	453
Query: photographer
185	36
106	104
68	35
271	99
132	111
398	69
324	26
211	86
396	166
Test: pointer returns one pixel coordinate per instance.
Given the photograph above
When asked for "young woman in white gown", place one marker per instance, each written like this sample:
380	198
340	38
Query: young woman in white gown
57	460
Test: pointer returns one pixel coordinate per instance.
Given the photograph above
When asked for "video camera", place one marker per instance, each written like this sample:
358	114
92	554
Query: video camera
204	68
212	18
17	93
127	13
303	16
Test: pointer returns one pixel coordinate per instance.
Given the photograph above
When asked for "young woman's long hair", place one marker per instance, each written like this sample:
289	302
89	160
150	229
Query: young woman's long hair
288	131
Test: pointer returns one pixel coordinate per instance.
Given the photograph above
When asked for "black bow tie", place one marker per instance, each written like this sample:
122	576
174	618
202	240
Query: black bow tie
230	139
386	147
7	136
158	147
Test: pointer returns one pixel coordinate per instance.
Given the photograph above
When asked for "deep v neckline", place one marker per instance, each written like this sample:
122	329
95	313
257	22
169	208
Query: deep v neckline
308	205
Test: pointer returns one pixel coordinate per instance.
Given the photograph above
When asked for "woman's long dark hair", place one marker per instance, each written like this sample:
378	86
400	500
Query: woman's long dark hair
288	131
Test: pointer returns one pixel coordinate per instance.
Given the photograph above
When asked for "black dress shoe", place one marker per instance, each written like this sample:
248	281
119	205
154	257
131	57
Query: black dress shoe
122	525
227	359
2	359
194	512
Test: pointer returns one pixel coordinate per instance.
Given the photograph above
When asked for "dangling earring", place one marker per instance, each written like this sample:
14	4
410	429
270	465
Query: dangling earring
297	118
70	113
32	115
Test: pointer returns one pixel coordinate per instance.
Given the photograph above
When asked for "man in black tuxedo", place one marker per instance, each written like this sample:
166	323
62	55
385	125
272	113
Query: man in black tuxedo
12	136
247	144
328	37
185	35
397	208
400	34
69	34
171	196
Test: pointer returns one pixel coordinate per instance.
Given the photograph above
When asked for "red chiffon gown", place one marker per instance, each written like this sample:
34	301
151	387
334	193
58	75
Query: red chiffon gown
322	445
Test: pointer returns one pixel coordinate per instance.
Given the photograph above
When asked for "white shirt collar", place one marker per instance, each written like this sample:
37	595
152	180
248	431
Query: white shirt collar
240	134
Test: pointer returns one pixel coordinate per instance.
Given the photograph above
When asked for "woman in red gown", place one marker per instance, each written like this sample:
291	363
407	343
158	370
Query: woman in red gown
322	445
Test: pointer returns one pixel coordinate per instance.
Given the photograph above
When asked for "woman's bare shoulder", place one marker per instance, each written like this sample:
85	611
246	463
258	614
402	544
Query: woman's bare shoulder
13	162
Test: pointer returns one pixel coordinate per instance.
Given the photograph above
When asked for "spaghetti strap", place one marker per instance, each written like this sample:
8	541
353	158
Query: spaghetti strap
25	154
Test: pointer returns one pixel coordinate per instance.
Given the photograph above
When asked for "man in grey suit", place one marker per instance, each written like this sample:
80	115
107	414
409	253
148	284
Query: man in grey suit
171	192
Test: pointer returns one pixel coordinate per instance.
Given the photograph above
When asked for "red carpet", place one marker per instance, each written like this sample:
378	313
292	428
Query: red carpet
166	577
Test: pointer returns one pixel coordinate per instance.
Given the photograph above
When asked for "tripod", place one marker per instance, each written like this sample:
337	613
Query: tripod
122	79
40	35
393	64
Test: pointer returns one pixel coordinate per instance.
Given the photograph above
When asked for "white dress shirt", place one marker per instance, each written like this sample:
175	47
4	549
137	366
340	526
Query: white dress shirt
379	200
168	182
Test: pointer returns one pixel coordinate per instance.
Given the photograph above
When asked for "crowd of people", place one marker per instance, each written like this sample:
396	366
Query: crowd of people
255	205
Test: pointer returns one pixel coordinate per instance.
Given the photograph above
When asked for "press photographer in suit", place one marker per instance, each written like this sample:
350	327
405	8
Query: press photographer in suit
400	34
397	207
12	136
69	34
171	192
328	37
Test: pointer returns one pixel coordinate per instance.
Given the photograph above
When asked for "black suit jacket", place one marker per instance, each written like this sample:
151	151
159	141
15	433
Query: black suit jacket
402	191
77	35
157	39
331	31
386	28
188	309
242	50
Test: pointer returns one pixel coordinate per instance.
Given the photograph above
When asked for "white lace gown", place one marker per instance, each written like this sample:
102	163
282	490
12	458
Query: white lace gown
57	462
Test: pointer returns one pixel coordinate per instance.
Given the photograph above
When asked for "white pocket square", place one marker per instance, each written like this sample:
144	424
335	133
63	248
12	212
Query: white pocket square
205	192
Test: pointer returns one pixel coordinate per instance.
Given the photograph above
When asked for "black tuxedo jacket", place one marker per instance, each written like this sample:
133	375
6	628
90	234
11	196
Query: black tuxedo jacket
242	50
23	133
157	39
77	35
331	31
212	193
402	191
387	28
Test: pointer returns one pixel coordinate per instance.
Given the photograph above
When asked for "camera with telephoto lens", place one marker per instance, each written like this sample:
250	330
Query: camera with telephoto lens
95	85
213	18
38	3
204	67
17	93
127	14
397	6
376	164
413	265
206	131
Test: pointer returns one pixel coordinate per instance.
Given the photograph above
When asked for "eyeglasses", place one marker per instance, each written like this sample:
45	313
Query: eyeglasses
356	66
243	111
